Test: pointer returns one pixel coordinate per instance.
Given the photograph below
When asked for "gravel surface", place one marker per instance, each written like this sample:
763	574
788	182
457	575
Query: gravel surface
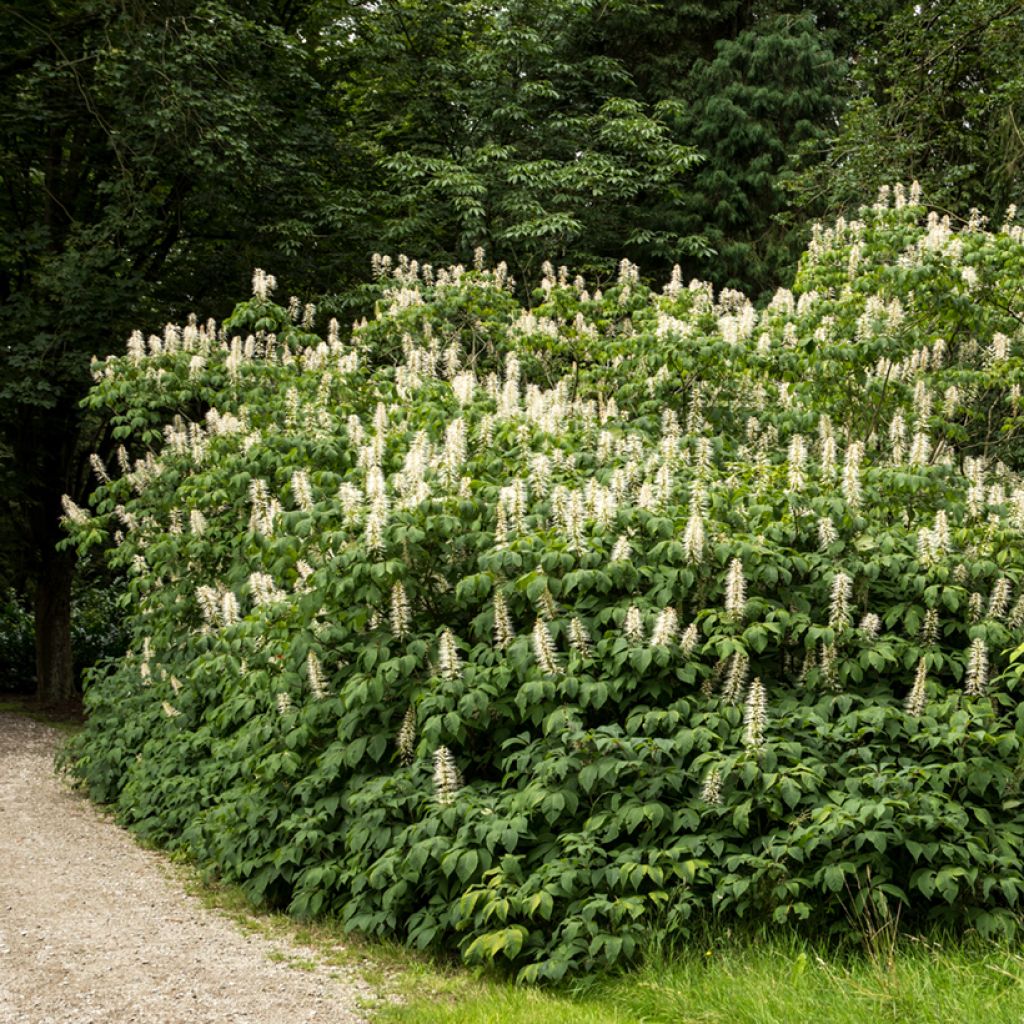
94	931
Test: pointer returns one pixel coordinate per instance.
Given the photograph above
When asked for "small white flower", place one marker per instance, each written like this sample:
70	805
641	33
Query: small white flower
829	457
898	437
317	686
99	468
736	678
839	608
1016	616
711	791
544	648
870	626
755	715
930	627
448	655
406	738
827	533
401	611
851	473
999	599
447	780
693	538
829	666
209	604
735	589
374	534
579	638
666	628
302	491
918	696
262	284
689	640
634	626
229	611
548	608
263	589
621	551
74	514
796	463
977	668
504	631
920	449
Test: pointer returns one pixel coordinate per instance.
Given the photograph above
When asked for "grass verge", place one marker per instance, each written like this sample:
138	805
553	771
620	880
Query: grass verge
779	980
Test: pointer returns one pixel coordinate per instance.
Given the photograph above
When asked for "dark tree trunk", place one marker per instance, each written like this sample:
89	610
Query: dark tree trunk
55	678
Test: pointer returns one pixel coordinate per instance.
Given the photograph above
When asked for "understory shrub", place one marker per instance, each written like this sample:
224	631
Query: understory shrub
98	631
17	643
534	632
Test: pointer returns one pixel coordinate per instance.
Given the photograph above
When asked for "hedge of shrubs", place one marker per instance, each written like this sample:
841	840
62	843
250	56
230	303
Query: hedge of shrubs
539	631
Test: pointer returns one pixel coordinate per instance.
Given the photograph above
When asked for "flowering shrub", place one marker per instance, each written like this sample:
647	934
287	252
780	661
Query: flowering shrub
534	632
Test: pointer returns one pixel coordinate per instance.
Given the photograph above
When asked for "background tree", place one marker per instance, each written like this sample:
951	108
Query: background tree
937	95
151	155
498	127
765	92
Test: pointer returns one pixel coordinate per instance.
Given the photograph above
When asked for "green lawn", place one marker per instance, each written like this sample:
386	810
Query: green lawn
778	981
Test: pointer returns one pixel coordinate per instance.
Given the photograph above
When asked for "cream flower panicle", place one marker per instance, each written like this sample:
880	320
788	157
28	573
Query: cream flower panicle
633	627
579	638
447	779
918	696
711	790
755	715
504	631
406	738
401	611
735	589
448	657
317	685
544	648
976	678
841	595
666	628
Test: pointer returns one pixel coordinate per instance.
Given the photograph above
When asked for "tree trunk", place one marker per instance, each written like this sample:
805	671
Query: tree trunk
55	678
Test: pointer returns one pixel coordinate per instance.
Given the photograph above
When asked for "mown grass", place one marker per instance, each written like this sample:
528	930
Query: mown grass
779	980
770	977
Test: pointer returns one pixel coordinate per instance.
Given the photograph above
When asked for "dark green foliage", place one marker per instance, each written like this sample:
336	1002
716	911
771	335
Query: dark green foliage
495	127
538	634
936	94
766	93
17	648
150	155
98	631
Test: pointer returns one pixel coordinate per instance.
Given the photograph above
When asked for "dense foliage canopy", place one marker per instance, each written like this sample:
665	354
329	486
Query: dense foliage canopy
152	153
538	631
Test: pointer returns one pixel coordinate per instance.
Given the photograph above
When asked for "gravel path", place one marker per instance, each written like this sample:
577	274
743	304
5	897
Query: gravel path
93	931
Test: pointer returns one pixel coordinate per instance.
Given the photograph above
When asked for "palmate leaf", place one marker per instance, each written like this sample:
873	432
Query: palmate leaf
582	719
